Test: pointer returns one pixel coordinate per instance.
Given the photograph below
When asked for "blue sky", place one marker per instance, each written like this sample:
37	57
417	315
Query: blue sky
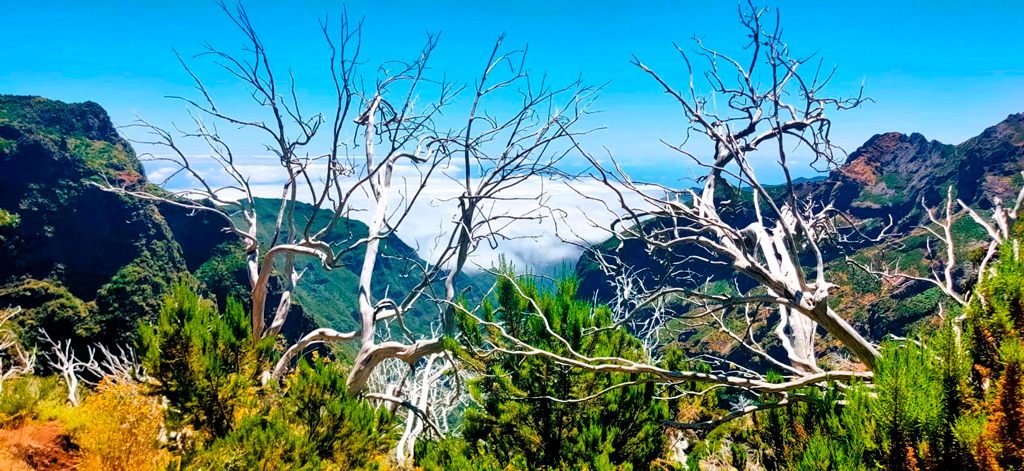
945	69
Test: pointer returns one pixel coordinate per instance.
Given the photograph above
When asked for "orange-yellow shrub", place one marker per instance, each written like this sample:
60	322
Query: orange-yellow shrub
121	429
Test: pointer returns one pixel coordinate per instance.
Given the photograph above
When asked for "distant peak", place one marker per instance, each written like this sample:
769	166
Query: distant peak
87	119
878	144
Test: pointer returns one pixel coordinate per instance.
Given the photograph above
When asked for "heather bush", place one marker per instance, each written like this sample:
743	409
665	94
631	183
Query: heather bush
224	418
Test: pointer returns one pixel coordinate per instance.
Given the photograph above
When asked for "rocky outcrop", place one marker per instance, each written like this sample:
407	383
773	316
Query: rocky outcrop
891	174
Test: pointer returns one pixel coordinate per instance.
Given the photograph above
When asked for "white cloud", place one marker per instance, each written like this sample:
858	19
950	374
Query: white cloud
158	175
564	213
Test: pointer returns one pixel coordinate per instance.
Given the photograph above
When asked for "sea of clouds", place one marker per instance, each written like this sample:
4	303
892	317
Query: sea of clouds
562	220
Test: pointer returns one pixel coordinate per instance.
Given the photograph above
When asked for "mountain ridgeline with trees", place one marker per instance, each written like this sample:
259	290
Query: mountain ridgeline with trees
892	178
871	318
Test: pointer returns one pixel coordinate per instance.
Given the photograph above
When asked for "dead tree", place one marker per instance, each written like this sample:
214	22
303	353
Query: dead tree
63	360
943	233
746	108
997	227
120	367
761	106
19	361
352	157
433	393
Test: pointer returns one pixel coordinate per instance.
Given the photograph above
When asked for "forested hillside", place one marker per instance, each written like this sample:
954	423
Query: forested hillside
82	262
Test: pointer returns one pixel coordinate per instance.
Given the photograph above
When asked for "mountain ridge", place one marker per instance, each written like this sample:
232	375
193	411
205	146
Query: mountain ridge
891	174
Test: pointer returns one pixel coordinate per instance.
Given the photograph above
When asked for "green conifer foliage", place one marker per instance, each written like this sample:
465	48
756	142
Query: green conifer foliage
995	319
333	425
913	417
951	365
996	313
907	404
517	421
204	363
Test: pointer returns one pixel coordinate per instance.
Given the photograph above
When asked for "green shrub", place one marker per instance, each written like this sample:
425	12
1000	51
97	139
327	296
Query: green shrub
316	425
619	429
206	366
912	418
259	442
335	426
204	363
7	218
455	454
26	398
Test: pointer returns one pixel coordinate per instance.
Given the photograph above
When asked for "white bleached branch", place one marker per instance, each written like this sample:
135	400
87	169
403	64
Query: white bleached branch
19	362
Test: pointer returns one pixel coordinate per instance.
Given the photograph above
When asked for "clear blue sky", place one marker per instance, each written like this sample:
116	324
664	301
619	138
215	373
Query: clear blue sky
942	68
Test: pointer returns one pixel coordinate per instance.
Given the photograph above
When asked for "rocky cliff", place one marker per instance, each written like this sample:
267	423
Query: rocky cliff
892	173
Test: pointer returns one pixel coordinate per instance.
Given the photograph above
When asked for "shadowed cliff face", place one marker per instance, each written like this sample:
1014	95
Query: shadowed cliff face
62	230
67	228
991	163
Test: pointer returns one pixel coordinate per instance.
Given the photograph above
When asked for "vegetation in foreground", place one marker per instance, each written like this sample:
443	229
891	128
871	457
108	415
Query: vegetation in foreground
953	399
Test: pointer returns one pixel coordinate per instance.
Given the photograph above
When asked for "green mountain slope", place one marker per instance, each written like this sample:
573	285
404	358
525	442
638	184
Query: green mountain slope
330	295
